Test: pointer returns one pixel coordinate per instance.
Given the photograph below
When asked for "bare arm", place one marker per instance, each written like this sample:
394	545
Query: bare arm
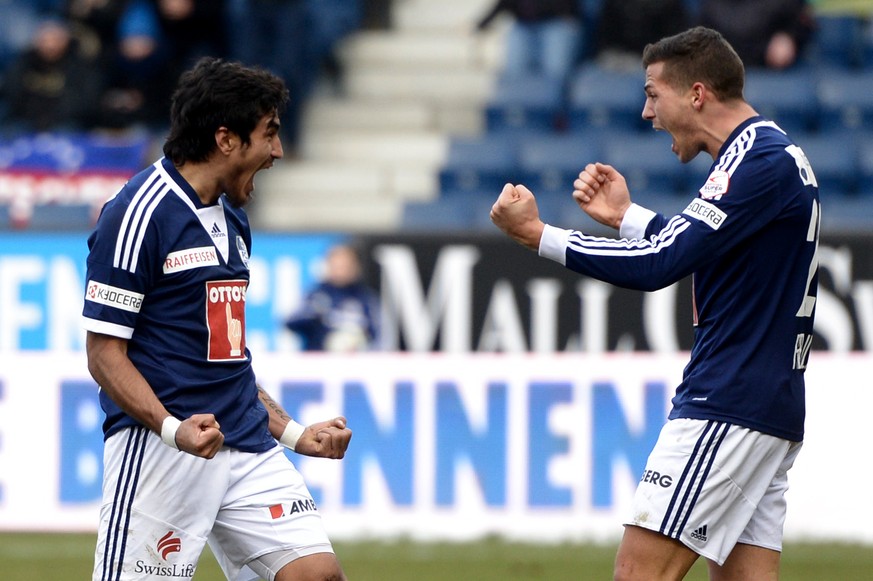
124	384
328	439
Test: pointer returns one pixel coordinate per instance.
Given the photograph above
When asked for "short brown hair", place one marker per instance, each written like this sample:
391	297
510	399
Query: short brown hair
699	55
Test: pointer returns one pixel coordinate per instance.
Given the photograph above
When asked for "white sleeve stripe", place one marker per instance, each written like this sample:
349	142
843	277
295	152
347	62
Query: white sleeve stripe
136	220
138	225
740	146
145	221
105	328
134	211
120	241
177	190
608	247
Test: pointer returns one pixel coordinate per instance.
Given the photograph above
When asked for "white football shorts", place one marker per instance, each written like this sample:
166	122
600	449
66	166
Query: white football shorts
711	485
160	506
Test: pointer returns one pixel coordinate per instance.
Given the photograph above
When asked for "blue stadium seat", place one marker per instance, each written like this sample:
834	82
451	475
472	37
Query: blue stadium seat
834	160
865	169
53	217
846	100
451	212
839	41
435	216
550	163
787	97
600	98
561	210
646	161
532	102
479	163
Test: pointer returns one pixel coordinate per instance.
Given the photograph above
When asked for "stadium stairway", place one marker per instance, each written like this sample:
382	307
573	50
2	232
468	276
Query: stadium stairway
380	141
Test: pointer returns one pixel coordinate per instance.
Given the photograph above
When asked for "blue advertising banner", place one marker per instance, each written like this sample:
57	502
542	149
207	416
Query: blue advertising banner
42	284
449	447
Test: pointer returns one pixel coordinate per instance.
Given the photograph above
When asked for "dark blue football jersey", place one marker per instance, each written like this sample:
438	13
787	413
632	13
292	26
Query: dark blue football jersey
170	275
750	239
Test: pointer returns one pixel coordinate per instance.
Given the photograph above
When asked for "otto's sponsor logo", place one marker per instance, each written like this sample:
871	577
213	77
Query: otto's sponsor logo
226	292
658	479
296	507
226	319
190	258
706	213
111	296
716	185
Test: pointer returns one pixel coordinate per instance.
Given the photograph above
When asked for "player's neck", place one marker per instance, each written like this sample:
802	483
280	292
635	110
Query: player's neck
723	122
203	178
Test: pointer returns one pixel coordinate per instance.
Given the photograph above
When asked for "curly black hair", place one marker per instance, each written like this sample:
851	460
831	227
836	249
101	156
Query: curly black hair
217	93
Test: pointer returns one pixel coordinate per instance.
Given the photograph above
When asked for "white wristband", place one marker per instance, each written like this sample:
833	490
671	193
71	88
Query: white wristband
292	433
168	431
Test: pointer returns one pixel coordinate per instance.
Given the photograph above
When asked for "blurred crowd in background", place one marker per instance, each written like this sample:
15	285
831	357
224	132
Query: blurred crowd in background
85	64
88	64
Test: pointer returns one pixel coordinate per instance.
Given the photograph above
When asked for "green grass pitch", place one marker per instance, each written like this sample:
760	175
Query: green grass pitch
32	557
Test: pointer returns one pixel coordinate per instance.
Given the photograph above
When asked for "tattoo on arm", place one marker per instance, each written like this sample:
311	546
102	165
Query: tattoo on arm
271	404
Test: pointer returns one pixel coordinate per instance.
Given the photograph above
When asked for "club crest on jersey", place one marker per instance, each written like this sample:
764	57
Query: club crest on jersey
243	251
716	185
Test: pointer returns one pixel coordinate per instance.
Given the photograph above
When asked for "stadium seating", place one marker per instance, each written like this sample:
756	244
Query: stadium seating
550	162
479	163
600	98
788	97
61	217
49	217
865	167
456	211
835	164
534	102
646	160
840	40
845	99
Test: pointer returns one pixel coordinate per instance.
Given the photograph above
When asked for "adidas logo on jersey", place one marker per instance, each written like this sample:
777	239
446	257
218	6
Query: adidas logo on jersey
216	231
699	534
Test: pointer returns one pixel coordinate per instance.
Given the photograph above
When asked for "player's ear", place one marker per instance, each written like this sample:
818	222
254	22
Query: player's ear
226	140
699	94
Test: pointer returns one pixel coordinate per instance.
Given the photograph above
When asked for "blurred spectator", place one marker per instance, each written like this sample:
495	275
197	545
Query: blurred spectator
140	79
330	22
294	39
765	33
273	34
94	23
192	29
377	14
341	313
544	38
625	27
19	21
51	86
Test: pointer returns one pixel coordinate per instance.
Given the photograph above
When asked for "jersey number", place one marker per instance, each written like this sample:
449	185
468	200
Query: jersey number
803	342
